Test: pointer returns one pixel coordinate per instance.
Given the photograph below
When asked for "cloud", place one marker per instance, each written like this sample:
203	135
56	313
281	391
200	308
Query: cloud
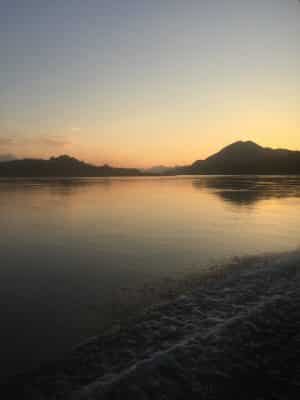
44	142
53	141
5	141
33	146
7	157
75	129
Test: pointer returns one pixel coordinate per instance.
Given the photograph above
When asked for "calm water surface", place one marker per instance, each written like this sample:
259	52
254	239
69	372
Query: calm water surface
71	247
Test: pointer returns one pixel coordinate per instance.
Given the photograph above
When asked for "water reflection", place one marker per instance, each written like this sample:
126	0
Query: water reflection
239	190
248	190
69	247
60	186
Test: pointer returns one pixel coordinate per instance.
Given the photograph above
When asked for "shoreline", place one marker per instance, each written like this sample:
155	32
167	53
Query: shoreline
214	338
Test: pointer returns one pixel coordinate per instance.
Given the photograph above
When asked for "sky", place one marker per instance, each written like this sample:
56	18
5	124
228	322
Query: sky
147	82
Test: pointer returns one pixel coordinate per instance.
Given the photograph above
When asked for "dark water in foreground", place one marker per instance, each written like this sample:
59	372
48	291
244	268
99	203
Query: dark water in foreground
72	250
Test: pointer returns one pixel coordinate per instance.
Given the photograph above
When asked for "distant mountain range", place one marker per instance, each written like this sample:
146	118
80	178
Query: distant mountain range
238	158
63	166
157	170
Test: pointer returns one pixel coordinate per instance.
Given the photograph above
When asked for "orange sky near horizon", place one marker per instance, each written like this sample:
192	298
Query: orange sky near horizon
145	83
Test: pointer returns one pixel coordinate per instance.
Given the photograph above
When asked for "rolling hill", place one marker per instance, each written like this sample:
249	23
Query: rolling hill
62	166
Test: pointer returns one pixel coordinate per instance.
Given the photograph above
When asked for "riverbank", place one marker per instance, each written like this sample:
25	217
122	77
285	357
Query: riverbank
235	334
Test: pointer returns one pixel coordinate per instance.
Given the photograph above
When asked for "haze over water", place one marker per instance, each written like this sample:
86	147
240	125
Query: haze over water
73	251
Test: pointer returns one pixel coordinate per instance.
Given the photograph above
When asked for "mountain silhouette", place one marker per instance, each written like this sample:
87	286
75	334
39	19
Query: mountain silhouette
246	158
64	166
238	158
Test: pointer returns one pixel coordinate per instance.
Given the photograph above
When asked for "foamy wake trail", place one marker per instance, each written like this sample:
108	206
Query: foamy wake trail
216	339
236	335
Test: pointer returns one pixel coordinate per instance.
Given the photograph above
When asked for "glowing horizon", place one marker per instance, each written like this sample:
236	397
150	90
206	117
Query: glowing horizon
139	83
